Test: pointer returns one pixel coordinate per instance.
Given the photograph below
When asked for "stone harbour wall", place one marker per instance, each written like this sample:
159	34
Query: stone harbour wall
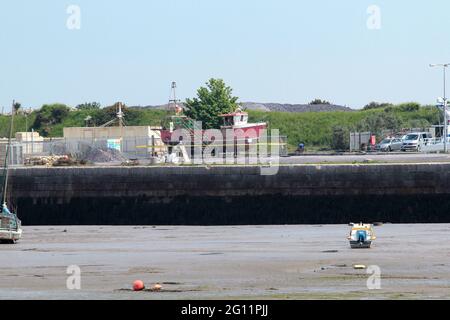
298	194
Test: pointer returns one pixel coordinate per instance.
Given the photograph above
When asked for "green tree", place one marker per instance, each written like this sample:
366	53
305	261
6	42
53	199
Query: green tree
376	105
377	122
211	101
409	107
89	106
102	116
341	138
48	116
391	121
17	106
419	123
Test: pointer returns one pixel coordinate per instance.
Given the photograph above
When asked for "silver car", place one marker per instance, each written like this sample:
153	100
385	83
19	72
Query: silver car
390	144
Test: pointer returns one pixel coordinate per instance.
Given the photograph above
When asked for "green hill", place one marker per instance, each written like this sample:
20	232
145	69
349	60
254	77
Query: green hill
315	129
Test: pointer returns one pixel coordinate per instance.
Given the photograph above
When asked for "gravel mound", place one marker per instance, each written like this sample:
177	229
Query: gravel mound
97	154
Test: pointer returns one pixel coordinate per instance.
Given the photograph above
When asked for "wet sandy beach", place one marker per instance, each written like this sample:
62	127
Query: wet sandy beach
243	262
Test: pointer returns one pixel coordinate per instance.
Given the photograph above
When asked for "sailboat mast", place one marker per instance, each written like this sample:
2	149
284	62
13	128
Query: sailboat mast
8	147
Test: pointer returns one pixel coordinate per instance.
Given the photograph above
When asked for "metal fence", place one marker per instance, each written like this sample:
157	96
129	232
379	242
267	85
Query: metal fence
114	150
15	154
359	140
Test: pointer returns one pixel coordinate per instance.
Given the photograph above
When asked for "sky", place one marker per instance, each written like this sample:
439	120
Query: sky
348	52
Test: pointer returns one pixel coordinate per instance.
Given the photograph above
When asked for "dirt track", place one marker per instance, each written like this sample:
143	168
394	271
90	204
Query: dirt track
248	262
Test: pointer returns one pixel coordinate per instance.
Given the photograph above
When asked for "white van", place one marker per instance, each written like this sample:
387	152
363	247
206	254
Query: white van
414	141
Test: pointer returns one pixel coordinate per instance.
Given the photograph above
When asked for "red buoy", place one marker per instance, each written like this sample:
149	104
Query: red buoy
138	285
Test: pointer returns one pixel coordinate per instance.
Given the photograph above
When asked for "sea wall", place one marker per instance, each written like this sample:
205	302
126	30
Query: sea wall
233	195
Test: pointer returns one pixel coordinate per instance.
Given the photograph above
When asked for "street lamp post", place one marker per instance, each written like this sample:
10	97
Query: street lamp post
445	131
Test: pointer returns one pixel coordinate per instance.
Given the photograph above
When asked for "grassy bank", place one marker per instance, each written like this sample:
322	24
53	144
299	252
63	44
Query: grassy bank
316	129
21	123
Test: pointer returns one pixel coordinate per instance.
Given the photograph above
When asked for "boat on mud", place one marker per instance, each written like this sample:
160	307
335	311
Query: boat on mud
10	224
361	235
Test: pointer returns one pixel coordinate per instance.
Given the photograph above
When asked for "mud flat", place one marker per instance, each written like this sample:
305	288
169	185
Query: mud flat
244	262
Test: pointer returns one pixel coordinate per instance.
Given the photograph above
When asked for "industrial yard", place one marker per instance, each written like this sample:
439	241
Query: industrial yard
245	262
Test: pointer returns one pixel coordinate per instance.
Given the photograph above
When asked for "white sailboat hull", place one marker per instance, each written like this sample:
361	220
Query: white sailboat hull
10	235
10	225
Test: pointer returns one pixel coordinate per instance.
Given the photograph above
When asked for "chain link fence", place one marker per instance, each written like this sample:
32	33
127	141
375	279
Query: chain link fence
117	151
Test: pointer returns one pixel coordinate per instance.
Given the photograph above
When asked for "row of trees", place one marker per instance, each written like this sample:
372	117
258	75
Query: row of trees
51	115
216	98
212	100
407	107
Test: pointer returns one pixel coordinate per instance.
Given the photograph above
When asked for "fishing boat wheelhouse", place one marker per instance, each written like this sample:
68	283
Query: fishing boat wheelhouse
238	120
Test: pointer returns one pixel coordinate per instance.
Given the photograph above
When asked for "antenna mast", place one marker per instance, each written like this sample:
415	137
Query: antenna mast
8	151
120	115
173	101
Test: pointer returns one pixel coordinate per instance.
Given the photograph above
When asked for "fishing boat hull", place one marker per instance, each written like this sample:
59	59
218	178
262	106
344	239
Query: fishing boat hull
360	245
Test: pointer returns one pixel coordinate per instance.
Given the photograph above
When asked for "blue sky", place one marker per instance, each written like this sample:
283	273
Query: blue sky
287	51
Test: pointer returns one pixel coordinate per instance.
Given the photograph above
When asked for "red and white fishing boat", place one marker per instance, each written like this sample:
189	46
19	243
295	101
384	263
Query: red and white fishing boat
238	121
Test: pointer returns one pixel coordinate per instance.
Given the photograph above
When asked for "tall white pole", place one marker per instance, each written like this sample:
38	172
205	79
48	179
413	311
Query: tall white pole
8	155
445	125
445	129
445	114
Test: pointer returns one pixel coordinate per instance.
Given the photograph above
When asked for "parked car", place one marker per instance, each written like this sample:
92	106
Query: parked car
390	144
415	141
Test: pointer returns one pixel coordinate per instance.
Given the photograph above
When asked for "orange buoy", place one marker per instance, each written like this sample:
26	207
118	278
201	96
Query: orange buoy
138	285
